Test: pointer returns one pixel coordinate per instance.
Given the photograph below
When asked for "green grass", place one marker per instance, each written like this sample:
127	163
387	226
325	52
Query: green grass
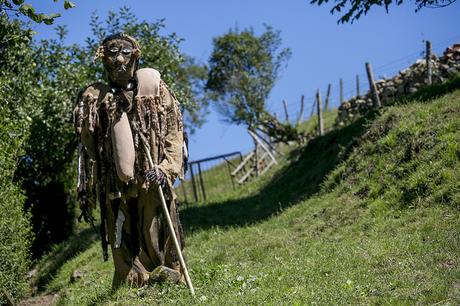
368	214
217	179
310	127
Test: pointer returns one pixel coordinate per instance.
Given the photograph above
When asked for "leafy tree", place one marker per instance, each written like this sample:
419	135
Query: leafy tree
19	85
243	69
18	7
182	74
356	8
16	79
47	169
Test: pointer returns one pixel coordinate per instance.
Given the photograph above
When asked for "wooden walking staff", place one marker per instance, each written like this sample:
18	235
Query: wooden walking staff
171	228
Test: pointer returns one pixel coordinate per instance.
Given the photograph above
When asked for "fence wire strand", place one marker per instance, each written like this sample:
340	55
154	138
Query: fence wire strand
386	70
208	178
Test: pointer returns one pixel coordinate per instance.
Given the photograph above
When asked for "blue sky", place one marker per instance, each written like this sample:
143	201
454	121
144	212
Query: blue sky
322	50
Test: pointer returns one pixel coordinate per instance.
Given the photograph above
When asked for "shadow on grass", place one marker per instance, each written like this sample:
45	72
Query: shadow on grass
50	264
299	180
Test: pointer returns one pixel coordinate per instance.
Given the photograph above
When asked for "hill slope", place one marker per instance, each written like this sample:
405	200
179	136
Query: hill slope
365	214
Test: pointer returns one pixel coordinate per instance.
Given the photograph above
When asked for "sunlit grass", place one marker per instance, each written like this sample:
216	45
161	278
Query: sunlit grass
368	214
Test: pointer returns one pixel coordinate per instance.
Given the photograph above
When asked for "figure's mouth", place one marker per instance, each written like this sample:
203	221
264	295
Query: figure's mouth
119	67
122	68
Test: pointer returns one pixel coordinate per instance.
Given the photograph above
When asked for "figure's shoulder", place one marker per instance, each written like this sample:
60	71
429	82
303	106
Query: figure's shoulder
95	91
149	73
148	82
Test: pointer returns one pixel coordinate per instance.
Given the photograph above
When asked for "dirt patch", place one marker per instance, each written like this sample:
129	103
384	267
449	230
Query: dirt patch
41	300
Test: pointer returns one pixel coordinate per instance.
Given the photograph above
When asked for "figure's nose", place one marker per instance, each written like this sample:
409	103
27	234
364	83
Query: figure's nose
120	59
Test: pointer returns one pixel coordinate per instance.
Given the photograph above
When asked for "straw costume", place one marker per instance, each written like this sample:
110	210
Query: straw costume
116	124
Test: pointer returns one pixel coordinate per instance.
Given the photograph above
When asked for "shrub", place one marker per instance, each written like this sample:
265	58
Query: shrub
15	230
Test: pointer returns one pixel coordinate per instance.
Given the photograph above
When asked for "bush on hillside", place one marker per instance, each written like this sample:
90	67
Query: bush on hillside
15	230
15	234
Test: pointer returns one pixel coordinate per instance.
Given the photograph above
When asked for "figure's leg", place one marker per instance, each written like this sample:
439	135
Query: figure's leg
150	229
157	247
119	227
121	254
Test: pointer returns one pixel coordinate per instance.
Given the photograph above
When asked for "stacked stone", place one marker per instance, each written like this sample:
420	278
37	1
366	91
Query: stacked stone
407	81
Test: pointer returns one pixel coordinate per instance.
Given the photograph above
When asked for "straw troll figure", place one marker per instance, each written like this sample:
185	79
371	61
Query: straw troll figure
117	124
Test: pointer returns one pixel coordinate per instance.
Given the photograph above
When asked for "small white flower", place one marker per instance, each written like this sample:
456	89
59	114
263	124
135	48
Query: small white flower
203	298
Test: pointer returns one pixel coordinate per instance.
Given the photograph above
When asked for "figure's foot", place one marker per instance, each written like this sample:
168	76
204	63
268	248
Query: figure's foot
164	274
136	278
182	276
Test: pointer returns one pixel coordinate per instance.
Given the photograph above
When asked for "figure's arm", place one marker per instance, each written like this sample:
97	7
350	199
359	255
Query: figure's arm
171	165
87	170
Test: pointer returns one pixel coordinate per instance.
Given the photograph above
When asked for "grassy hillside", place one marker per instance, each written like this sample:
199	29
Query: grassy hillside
217	180
368	214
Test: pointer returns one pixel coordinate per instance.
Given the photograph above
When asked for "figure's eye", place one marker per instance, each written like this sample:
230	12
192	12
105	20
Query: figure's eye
126	51
113	50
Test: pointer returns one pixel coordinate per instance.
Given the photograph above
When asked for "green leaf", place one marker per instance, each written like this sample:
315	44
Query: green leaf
68	4
38	17
55	15
49	19
27	9
18	2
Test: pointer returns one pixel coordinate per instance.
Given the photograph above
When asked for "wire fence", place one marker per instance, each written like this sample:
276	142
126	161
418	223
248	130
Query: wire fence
208	178
353	84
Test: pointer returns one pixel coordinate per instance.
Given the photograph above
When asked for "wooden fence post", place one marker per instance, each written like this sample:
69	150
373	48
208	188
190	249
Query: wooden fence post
285	110
320	113
195	193
357	85
429	78
256	151
182	183
341	91
201	181
328	95
373	88
230	174
313	108
300	117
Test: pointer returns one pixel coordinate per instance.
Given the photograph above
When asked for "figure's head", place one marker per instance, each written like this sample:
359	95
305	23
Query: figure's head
120	55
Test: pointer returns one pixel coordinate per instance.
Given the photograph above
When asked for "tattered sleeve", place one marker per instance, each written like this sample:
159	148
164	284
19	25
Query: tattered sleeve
85	117
171	164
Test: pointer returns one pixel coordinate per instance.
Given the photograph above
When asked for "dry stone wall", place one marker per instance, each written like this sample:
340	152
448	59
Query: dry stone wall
407	81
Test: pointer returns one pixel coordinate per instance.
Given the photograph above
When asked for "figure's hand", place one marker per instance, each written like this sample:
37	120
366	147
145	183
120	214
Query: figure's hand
157	177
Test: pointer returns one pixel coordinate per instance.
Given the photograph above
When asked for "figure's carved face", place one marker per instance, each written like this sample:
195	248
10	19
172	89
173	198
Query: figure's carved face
119	60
